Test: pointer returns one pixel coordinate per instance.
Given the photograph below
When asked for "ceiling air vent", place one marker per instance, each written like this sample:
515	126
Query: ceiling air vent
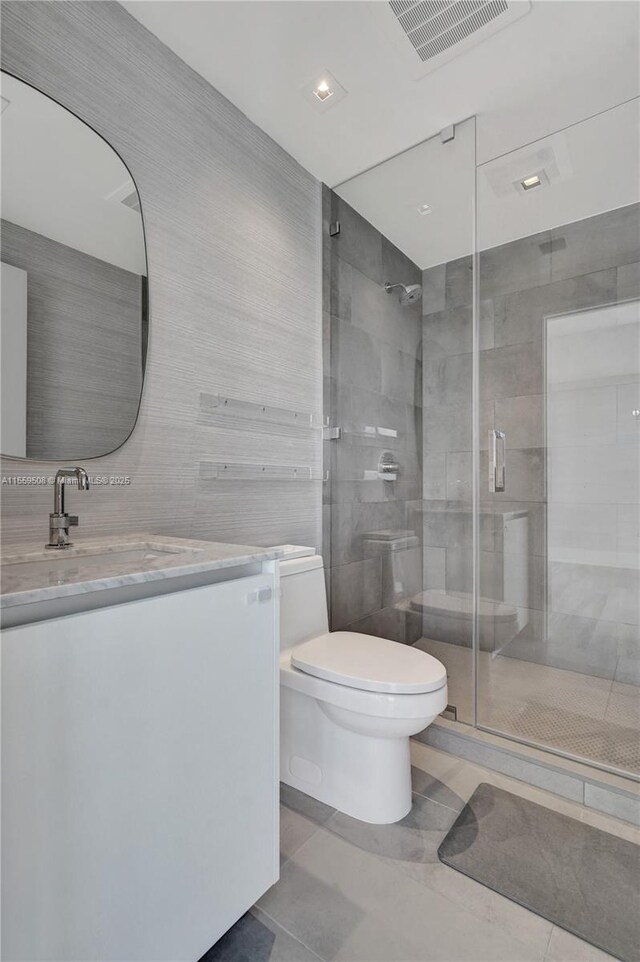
440	30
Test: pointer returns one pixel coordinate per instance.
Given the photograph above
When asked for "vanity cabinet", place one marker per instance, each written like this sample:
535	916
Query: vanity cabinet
139	774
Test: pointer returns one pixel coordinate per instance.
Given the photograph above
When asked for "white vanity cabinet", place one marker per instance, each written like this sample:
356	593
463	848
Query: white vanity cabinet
139	774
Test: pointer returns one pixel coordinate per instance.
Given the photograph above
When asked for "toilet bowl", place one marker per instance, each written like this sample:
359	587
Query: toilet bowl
349	702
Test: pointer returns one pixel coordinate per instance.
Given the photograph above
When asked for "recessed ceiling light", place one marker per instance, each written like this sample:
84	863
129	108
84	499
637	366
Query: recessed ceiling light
425	208
537	178
324	90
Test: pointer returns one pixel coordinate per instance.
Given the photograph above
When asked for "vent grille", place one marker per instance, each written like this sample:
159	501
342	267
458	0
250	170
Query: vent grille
436	27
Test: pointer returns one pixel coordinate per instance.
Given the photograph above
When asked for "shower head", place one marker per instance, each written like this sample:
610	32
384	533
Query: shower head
411	293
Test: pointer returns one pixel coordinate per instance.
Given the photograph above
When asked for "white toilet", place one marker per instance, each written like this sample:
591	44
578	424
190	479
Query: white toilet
348	702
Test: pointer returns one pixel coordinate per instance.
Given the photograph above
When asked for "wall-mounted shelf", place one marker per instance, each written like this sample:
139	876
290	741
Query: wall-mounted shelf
220	406
236	471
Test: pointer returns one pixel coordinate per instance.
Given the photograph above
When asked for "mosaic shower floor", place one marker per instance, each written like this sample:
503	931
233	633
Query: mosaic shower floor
592	718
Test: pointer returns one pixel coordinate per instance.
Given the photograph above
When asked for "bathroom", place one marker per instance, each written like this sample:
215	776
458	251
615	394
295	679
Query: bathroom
320	500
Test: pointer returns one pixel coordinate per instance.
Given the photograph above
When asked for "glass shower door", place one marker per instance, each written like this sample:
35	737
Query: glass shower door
557	398
398	390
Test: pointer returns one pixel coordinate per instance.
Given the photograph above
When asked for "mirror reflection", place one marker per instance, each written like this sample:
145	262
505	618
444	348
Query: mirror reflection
74	325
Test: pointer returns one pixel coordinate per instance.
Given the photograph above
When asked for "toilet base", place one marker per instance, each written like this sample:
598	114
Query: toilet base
365	776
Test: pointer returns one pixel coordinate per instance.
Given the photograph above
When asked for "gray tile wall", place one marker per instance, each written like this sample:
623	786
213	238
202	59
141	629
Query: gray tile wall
84	346
520	283
233	234
373	391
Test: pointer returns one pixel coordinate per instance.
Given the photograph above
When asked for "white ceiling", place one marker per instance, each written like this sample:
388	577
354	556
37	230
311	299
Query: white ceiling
562	62
590	167
441	175
57	175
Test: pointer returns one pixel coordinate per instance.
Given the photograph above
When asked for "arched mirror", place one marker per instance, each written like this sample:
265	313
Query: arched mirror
74	320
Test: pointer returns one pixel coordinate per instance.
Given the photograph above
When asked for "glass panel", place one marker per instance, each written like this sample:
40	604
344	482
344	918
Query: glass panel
559	375
399	386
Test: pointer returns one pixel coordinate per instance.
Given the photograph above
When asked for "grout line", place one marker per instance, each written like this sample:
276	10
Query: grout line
434	801
546	951
289	933
306	841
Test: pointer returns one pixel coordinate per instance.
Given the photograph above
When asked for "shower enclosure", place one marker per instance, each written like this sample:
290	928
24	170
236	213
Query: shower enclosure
484	442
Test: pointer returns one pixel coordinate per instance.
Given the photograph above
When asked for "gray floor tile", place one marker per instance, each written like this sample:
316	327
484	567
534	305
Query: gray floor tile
257	938
347	904
317	812
413	839
431	787
475	900
295	830
565	947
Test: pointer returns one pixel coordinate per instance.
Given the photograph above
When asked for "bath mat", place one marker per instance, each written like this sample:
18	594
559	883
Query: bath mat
576	876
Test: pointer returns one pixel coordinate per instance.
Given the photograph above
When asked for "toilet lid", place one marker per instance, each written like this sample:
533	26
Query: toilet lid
369	663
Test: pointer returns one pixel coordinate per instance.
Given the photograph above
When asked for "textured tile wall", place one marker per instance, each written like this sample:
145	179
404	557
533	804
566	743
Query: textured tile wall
84	346
233	234
373	391
520	284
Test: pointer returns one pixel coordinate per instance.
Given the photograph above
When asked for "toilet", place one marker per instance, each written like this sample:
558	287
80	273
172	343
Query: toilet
349	702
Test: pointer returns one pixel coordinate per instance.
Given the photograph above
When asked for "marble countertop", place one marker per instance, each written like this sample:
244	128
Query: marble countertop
33	574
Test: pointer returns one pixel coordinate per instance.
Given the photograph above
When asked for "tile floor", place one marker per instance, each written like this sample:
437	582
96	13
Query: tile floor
363	893
593	718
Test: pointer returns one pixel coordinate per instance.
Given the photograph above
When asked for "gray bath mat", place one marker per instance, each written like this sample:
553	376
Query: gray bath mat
580	878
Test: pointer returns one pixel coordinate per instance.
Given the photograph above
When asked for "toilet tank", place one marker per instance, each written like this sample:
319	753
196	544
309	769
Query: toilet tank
303	601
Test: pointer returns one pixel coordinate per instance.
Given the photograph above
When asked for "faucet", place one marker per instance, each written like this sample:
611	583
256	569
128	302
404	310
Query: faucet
59	520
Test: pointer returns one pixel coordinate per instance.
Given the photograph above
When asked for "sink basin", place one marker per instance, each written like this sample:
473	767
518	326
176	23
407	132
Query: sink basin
61	559
58	567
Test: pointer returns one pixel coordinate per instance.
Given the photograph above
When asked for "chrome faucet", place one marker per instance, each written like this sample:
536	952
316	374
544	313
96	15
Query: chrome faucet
59	520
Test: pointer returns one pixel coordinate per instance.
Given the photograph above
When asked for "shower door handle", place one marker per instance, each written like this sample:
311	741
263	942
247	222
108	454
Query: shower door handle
497	465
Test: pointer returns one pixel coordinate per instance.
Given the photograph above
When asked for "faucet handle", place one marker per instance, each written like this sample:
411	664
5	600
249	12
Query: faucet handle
72	520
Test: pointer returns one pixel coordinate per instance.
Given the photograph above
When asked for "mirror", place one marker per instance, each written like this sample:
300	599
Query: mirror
73	318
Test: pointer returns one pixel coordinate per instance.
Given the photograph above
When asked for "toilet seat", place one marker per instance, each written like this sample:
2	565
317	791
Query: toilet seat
368	663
